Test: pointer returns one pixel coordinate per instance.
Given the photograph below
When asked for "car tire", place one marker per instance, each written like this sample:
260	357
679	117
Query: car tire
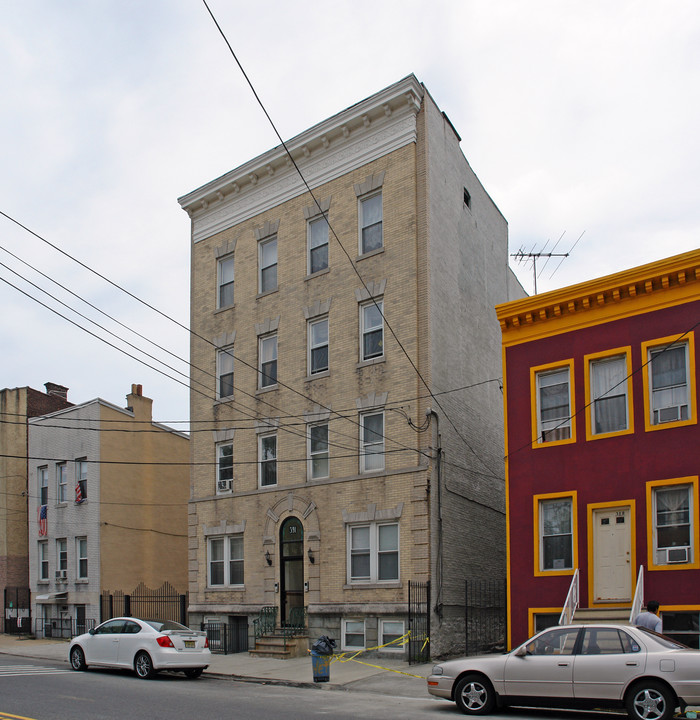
77	658
143	666
650	700
194	672
475	695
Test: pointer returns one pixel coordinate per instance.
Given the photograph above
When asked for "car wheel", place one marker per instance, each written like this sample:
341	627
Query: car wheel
77	658
475	695
194	672
650	700
143	665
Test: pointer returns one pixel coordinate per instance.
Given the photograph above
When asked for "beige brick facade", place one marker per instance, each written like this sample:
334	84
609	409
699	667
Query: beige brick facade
380	145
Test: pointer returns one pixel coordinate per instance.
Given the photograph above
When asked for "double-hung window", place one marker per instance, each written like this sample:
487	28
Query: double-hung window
390	634
81	558
81	476
669	382
43	560
318	346
62	554
224	372
43	473
371	442
674	520
225	280
318	245
373	553
61	482
353	635
226	561
371	330
224	467
268	361
318	451
608	402
556	525
267	262
267	459
371	233
553	406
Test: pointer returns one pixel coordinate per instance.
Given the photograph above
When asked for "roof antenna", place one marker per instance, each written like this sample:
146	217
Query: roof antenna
522	257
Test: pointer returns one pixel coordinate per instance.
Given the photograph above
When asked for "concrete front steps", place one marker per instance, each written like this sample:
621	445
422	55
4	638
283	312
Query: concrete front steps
617	615
275	646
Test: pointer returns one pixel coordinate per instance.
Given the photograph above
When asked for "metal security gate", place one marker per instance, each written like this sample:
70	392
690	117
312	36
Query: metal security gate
418	622
17	611
165	603
231	637
485	616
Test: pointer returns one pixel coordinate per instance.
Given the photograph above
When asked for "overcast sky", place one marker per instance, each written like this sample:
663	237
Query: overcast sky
581	119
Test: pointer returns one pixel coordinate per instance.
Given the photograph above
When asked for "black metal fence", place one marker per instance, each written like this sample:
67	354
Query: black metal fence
418	622
165	603
17	617
230	637
485	617
62	627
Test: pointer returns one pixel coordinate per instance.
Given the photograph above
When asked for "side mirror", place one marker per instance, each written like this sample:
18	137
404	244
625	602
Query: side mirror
520	652
91	631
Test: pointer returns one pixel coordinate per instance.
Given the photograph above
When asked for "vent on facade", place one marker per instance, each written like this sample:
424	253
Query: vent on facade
224	485
670	414
677	554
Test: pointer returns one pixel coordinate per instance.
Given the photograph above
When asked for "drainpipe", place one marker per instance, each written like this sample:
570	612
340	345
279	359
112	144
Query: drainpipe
437	457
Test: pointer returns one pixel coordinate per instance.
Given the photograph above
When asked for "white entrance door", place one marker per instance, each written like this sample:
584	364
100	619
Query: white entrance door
612	547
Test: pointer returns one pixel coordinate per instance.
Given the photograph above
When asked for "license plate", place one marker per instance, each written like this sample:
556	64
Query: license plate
189	643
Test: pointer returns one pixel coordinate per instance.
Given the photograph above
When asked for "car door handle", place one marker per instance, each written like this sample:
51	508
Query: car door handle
632	664
563	664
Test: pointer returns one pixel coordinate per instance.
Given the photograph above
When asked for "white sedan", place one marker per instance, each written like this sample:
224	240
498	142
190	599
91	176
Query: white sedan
578	666
144	646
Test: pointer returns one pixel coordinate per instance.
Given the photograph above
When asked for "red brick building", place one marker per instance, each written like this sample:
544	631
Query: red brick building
602	447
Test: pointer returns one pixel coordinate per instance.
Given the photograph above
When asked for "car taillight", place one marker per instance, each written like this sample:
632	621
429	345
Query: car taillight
164	641
206	642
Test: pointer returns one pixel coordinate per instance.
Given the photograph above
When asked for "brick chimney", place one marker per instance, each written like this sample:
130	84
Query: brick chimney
141	406
56	390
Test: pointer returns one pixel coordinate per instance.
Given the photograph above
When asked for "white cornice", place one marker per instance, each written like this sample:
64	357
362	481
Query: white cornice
362	133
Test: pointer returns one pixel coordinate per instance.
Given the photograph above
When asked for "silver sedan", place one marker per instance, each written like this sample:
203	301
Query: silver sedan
144	646
578	666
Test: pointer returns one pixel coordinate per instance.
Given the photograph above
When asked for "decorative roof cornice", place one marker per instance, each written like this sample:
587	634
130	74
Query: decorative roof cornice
363	132
660	284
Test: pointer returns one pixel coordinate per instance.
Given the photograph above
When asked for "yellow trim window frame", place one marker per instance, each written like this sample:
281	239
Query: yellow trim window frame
533	613
552	404
556	533
608	387
673	524
669	382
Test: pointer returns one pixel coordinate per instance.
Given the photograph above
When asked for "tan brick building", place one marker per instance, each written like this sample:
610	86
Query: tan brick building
325	475
108	492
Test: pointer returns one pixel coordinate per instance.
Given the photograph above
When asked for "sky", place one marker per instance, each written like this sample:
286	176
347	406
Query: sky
581	119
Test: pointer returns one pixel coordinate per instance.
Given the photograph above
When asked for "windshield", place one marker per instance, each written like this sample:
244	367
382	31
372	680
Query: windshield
663	640
161	625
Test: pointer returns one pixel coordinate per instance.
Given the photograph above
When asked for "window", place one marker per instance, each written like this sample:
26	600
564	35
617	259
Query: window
62	554
372	442
224	372
390	631
268	361
669	383
371	223
225	281
372	330
61	483
267	261
226	560
318	245
43	560
353	634
318	451
373	552
224	467
673	506
683	627
43	473
556	533
81	472
267	454
553	404
318	346
607	641
81	558
553	642
467	199
608	403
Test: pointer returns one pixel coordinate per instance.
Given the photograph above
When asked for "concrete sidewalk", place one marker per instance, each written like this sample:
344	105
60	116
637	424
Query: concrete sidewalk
393	677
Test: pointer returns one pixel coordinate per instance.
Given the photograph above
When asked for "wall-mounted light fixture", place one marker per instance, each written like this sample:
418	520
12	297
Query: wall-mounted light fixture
312	559
267	557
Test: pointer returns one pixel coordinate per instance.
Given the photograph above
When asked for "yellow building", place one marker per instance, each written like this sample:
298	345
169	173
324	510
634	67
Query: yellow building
108	492
345	359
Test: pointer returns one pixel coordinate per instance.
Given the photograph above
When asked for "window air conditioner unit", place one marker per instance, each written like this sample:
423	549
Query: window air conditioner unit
224	485
670	414
677	554
61	574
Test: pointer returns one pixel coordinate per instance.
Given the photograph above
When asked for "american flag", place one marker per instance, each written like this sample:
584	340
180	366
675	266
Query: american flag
78	493
41	517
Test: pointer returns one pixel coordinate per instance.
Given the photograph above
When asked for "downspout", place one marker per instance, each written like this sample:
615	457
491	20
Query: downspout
437	457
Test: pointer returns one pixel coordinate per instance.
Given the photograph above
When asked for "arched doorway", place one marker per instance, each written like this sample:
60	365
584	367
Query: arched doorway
292	568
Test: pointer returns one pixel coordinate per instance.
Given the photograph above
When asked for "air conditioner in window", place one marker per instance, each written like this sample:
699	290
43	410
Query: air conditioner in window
671	413
676	554
61	574
224	485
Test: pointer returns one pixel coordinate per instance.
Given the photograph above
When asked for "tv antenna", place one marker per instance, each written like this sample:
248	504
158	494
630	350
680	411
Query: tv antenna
523	257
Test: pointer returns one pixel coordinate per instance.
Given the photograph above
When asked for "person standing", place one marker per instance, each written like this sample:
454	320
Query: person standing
649	619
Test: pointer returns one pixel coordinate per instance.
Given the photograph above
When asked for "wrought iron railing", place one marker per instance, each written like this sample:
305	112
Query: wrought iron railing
61	627
572	600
